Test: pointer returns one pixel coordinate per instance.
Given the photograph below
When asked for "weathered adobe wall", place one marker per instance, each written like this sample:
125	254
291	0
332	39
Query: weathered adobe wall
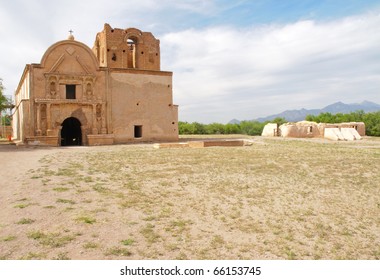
127	48
21	116
22	122
143	99
301	130
311	129
359	126
270	130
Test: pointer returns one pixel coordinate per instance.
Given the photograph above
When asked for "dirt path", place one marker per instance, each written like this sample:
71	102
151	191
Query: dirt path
15	161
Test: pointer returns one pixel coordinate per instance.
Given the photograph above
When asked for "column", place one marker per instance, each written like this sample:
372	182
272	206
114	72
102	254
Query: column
49	131
94	121
104	129
84	135
38	131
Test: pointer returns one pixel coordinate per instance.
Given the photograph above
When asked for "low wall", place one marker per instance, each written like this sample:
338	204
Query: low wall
202	144
42	141
100	139
171	145
216	143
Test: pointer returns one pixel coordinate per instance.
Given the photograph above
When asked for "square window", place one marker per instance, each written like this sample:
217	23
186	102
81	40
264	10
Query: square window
70	91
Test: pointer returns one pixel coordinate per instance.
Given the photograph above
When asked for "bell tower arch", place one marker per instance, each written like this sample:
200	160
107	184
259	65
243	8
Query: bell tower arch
127	49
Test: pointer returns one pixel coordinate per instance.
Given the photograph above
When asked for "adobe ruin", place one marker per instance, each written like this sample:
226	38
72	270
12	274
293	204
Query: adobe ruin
306	129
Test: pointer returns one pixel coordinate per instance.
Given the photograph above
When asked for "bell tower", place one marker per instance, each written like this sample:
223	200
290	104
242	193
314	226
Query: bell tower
127	49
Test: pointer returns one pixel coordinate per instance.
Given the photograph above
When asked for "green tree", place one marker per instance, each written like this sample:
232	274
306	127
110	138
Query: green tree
185	128
6	120
311	118
357	116
279	121
199	128
372	123
3	99
232	128
215	128
251	127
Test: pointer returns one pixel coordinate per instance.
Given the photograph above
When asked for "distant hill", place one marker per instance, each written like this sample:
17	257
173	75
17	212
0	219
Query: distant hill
234	121
338	107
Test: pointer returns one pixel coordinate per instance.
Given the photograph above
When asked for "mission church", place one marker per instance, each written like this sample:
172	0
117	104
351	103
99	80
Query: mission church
114	93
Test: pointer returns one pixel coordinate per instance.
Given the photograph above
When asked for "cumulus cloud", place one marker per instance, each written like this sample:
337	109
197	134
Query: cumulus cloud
248	72
222	69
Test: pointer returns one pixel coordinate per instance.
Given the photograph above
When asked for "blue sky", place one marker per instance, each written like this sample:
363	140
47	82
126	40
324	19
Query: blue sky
230	59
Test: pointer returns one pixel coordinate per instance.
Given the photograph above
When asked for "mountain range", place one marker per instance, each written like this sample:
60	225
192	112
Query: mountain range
338	107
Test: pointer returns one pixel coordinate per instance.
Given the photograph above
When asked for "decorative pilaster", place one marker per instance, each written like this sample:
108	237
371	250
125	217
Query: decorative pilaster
83	129
94	120
49	131
38	131
104	128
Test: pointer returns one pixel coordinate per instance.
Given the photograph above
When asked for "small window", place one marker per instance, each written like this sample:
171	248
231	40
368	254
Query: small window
138	131
70	91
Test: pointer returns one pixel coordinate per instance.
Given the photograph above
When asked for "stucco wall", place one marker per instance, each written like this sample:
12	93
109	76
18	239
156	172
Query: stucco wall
143	99
270	130
300	130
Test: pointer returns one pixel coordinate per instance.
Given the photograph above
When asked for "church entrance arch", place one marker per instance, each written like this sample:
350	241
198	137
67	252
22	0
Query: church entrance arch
71	133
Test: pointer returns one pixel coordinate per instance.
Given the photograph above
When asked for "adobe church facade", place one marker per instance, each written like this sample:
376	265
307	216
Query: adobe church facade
113	93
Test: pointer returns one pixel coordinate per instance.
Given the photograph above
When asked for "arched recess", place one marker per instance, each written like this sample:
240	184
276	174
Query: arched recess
133	38
71	132
132	43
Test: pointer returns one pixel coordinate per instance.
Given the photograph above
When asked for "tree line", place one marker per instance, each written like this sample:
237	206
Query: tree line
371	120
244	127
5	106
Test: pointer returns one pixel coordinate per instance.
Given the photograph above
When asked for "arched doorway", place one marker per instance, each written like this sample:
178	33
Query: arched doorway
71	133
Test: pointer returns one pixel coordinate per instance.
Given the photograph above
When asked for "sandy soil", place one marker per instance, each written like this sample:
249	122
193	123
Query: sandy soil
276	199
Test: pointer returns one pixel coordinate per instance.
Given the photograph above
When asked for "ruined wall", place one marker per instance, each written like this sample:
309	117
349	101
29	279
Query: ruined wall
127	48
305	129
300	130
270	130
358	126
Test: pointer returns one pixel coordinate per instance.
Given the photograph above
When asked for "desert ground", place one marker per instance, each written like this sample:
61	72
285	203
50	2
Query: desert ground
276	199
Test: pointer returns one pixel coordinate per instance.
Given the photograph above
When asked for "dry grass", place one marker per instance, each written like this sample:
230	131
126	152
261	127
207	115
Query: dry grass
276	199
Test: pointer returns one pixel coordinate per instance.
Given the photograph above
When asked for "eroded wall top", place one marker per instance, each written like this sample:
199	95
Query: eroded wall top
127	49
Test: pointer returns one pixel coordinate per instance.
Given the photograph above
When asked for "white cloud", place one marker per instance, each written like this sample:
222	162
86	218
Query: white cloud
220	71
256	71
